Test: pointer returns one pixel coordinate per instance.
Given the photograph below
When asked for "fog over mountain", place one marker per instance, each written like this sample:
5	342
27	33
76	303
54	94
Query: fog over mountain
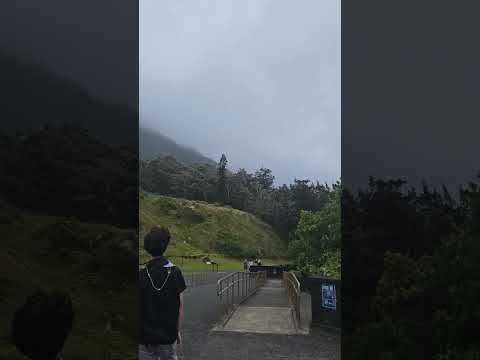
154	144
257	80
38	96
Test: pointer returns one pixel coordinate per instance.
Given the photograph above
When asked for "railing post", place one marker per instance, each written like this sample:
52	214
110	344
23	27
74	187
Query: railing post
233	291
236	287
292	287
244	283
243	294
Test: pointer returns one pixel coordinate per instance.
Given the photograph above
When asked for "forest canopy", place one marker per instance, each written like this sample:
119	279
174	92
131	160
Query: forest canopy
410	272
279	206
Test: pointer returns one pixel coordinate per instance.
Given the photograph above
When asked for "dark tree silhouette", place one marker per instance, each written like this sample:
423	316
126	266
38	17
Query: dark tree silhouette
222	193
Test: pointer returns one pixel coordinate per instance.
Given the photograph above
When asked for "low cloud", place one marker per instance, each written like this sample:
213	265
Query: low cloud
256	80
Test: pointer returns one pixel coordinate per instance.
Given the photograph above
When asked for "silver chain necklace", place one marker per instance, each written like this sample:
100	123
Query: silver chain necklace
169	270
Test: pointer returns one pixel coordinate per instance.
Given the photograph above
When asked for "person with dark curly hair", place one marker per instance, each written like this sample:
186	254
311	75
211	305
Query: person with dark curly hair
41	326
161	286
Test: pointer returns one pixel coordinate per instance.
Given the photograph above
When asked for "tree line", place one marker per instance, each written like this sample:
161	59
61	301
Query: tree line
65	171
256	193
410	269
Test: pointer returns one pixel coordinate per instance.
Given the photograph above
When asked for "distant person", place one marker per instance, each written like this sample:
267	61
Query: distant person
41	326
161	302
245	265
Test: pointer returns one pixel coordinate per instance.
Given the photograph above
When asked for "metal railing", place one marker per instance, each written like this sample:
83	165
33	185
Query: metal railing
234	288
193	279
212	266
292	286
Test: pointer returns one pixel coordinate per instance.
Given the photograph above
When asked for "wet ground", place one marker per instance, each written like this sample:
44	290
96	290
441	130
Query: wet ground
202	315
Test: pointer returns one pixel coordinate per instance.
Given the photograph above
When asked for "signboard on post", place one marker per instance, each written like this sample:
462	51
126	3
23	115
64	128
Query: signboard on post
326	300
329	297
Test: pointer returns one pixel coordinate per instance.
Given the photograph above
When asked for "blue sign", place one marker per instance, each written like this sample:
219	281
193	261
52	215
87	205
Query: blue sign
329	296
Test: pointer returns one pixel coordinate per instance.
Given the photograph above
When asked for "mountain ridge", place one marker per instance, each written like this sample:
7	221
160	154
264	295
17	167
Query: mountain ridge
56	100
153	144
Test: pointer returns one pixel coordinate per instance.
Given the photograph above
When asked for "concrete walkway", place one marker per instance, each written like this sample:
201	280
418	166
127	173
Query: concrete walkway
266	312
244	339
318	345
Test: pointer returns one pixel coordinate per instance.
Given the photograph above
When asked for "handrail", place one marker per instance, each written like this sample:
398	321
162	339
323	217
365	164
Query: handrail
193	279
235	288
292	285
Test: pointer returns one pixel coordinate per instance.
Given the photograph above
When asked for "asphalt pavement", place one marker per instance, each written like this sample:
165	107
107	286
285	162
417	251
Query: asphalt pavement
201	343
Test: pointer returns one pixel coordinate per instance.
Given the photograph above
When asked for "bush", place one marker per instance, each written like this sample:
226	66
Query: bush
229	248
316	244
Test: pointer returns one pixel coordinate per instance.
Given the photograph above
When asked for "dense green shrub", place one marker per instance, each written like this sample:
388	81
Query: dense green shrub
316	244
425	301
229	248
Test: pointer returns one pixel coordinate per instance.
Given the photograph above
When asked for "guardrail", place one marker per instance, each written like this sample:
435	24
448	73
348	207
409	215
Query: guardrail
212	264
193	279
235	288
292	286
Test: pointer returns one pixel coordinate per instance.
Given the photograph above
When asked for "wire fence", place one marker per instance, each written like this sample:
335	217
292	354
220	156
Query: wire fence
193	279
234	288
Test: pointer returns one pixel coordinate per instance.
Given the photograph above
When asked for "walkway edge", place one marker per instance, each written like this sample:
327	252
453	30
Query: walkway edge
224	321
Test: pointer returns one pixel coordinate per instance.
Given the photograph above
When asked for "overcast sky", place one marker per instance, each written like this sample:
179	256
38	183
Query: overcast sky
257	80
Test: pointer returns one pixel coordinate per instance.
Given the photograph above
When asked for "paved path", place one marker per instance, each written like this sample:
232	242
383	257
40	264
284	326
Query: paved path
201	314
267	312
201	343
318	345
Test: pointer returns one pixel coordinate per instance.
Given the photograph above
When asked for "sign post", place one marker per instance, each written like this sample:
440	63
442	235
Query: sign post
326	304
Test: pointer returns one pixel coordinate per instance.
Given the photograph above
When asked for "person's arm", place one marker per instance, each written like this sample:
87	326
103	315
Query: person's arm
180	319
181	286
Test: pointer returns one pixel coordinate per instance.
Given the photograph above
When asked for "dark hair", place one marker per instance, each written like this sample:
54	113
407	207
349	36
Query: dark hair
156	241
41	326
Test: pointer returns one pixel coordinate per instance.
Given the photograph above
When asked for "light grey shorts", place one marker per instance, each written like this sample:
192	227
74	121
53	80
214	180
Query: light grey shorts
157	352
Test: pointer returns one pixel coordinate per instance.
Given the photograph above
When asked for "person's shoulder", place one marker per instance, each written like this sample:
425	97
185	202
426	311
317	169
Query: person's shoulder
178	279
177	271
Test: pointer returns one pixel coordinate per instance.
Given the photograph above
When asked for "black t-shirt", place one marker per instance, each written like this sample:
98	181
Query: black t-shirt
159	309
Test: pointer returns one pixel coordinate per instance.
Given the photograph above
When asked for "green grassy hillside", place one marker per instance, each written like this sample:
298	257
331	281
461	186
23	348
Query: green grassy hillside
202	228
92	262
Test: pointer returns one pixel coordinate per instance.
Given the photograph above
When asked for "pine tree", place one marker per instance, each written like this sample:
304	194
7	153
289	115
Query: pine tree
222	180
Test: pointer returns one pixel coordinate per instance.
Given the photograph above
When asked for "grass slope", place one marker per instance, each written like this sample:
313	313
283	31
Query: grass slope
200	228
93	263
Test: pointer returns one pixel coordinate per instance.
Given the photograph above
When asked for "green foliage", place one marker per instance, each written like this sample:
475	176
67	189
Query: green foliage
65	171
332	264
254	193
265	178
222	194
229	248
200	228
91	262
316	244
425	304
